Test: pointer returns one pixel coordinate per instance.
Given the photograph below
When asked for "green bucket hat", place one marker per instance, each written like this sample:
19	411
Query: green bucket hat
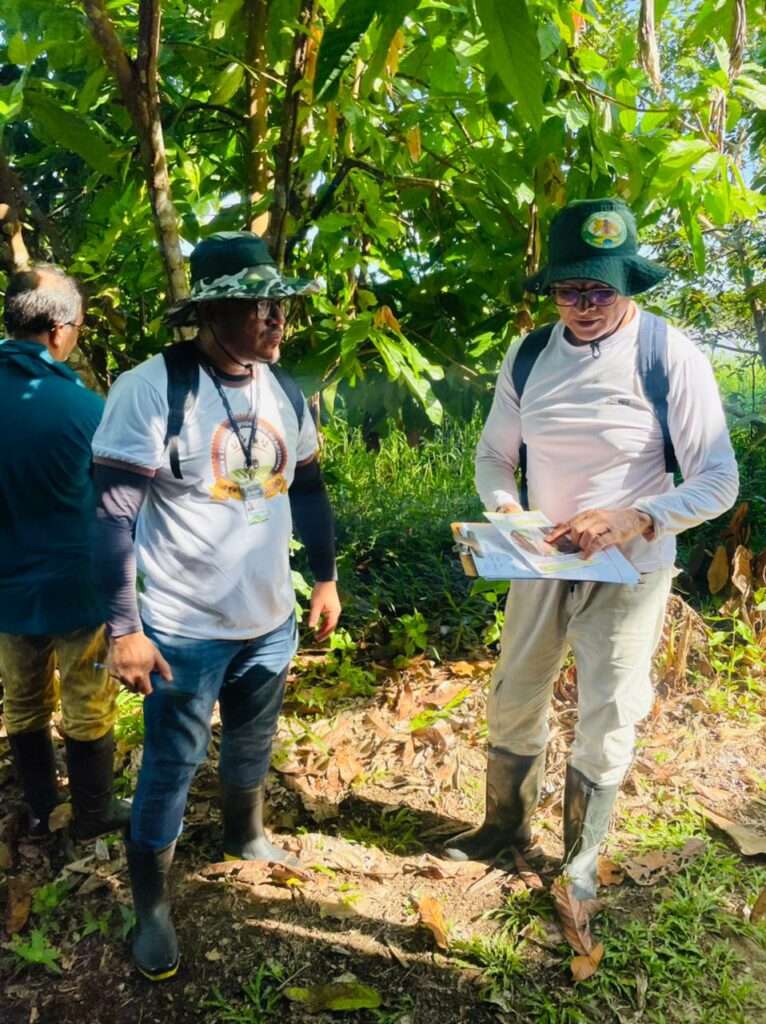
233	265
596	239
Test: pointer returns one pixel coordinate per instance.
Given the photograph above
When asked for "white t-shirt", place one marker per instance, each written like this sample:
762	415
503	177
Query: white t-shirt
594	441
203	571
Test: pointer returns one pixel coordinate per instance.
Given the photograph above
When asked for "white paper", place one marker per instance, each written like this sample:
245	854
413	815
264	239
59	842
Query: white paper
513	546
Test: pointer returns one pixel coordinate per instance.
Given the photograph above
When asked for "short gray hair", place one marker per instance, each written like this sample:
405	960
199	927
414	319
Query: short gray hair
39	298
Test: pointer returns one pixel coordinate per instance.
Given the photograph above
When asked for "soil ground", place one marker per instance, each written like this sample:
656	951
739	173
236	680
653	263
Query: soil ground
365	795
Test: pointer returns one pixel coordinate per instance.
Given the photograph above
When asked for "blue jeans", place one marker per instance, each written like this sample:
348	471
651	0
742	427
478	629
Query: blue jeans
247	678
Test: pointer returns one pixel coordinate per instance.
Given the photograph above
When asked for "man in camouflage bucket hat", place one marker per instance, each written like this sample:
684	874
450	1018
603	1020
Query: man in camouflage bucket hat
208	454
233	265
591	409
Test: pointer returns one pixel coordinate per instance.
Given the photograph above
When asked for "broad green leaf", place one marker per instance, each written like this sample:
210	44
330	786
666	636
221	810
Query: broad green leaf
625	92
395	13
71	131
221	15
515	49
339	45
227	84
681	154
751	89
338	995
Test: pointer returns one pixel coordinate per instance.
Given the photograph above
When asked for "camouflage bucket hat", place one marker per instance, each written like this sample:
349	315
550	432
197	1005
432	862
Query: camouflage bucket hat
233	265
597	240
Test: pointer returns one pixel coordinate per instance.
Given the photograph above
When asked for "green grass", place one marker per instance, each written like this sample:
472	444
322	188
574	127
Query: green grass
678	953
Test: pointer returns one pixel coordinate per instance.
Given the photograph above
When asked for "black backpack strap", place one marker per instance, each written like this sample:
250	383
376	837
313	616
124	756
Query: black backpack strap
182	365
292	389
653	371
529	349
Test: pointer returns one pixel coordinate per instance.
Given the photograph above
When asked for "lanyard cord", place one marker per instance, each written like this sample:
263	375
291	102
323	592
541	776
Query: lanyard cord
247	449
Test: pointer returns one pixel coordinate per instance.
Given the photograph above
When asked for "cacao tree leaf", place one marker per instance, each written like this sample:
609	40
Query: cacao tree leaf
515	50
73	132
339	45
338	995
584	967
432	918
718	573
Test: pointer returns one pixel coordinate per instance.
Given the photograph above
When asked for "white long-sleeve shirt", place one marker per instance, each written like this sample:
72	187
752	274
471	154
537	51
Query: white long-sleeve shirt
594	441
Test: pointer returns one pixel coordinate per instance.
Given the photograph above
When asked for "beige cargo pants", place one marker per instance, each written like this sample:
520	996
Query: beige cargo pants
612	630
32	686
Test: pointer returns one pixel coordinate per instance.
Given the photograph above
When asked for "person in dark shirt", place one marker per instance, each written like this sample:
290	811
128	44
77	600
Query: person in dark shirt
52	638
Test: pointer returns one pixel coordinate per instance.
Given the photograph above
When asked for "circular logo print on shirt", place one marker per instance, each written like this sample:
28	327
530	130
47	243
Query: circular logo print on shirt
269	458
604	230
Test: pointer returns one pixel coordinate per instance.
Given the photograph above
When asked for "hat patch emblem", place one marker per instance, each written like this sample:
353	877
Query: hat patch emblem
604	230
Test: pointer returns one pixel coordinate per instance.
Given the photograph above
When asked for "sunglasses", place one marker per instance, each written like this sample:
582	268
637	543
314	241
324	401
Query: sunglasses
272	309
592	296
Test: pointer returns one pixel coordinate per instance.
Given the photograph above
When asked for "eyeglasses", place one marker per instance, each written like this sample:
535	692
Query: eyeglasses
272	309
73	323
592	296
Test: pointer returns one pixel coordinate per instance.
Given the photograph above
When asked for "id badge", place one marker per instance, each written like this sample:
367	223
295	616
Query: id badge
254	500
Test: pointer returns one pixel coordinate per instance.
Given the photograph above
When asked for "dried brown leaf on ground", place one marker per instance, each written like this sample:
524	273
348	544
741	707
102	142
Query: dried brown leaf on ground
526	873
287	875
758	913
575	916
252	871
718	571
349	768
547	934
315	849
741	573
60	817
654	865
432	917
19	903
434	867
462	669
439	736
609	873
6	856
584	967
748	841
404	702
382	730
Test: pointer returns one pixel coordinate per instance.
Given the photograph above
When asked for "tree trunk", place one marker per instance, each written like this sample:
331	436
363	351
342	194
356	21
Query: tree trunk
257	14
16	256
137	81
289	135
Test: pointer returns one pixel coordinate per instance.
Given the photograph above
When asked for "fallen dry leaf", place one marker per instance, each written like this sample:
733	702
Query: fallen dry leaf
6	856
741	573
60	817
609	873
530	878
718	572
462	669
432	917
404	702
19	903
654	865
349	768
382	730
758	913
749	842
584	967
575	916
286	874
547	934
434	867
439	735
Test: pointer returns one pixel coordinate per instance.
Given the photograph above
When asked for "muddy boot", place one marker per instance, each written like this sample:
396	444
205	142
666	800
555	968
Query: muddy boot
587	810
513	791
155	946
36	765
95	808
244	837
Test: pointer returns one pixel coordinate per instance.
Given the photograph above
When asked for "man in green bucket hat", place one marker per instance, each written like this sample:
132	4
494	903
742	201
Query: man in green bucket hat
205	458
597	411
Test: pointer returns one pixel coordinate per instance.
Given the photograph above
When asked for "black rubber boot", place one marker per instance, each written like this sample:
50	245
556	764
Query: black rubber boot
513	792
244	837
155	946
587	811
96	810
36	765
